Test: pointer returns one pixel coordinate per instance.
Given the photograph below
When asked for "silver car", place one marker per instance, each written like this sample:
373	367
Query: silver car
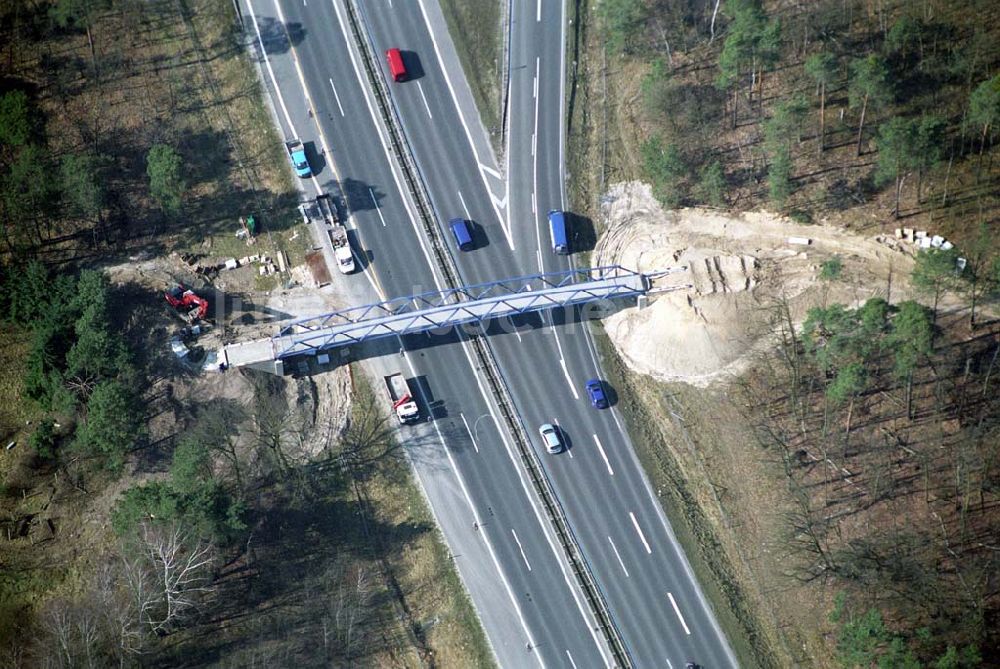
550	437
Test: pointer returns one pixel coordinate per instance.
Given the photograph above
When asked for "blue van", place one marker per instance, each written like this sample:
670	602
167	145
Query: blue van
463	236
557	232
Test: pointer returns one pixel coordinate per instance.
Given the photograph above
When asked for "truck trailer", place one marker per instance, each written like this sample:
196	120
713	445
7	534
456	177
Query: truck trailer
403	404
338	234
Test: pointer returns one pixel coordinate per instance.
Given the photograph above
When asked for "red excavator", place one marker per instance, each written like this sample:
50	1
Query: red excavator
187	303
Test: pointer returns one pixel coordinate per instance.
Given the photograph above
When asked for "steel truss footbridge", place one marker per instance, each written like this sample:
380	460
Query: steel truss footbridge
442	310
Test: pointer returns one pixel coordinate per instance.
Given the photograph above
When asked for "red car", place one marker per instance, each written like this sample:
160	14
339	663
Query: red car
396	65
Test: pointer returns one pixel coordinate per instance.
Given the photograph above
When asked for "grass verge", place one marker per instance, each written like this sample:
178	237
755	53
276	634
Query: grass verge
476	29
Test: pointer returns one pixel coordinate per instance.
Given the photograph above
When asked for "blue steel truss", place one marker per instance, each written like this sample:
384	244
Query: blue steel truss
457	306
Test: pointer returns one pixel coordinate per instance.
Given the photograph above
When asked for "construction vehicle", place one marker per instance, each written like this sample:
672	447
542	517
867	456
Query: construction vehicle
338	234
323	208
297	154
403	404
187	303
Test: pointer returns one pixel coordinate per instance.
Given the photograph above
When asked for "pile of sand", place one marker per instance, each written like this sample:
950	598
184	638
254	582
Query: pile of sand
739	268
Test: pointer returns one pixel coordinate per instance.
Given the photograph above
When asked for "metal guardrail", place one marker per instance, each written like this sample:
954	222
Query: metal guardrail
484	355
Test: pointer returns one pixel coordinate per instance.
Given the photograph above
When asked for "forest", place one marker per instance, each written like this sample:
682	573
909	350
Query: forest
152	514
875	424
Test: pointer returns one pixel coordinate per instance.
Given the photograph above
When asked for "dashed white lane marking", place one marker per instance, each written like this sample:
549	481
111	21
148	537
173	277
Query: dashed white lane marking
471	436
678	612
468	216
426	106
337	96
378	209
451	461
514	327
570	658
617	555
604	455
639	532
538	12
562	362
520	548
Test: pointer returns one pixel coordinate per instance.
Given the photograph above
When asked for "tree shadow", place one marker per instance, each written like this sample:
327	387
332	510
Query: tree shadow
277	37
307	575
359	195
584	232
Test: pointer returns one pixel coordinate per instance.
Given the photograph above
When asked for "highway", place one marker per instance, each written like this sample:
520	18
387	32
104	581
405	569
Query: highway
521	586
647	583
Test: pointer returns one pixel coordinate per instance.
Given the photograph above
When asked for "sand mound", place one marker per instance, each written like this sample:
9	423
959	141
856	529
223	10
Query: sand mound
739	268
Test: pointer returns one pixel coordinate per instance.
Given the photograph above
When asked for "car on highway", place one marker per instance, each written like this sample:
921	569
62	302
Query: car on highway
463	235
297	154
557	232
550	437
397	68
595	391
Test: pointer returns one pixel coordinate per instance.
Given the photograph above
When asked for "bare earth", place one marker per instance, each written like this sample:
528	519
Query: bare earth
739	267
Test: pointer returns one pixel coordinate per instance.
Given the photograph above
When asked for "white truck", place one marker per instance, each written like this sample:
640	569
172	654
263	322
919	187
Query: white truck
338	234
403	405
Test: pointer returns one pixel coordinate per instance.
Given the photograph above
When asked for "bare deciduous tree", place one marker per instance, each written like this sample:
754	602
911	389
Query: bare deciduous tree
168	575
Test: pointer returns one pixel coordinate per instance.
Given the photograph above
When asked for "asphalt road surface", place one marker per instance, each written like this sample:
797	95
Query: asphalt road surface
640	568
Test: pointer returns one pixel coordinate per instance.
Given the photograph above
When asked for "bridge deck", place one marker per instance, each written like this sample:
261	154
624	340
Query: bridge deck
403	316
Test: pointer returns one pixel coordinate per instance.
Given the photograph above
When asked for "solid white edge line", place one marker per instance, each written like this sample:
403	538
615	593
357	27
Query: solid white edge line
363	84
535	209
468	135
528	492
618	555
270	71
658	509
302	80
604	455
434	274
562	107
638	530
467	429
475	513
678	612
489	403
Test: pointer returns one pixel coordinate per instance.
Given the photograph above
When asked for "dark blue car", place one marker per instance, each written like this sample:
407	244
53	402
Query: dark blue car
595	391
